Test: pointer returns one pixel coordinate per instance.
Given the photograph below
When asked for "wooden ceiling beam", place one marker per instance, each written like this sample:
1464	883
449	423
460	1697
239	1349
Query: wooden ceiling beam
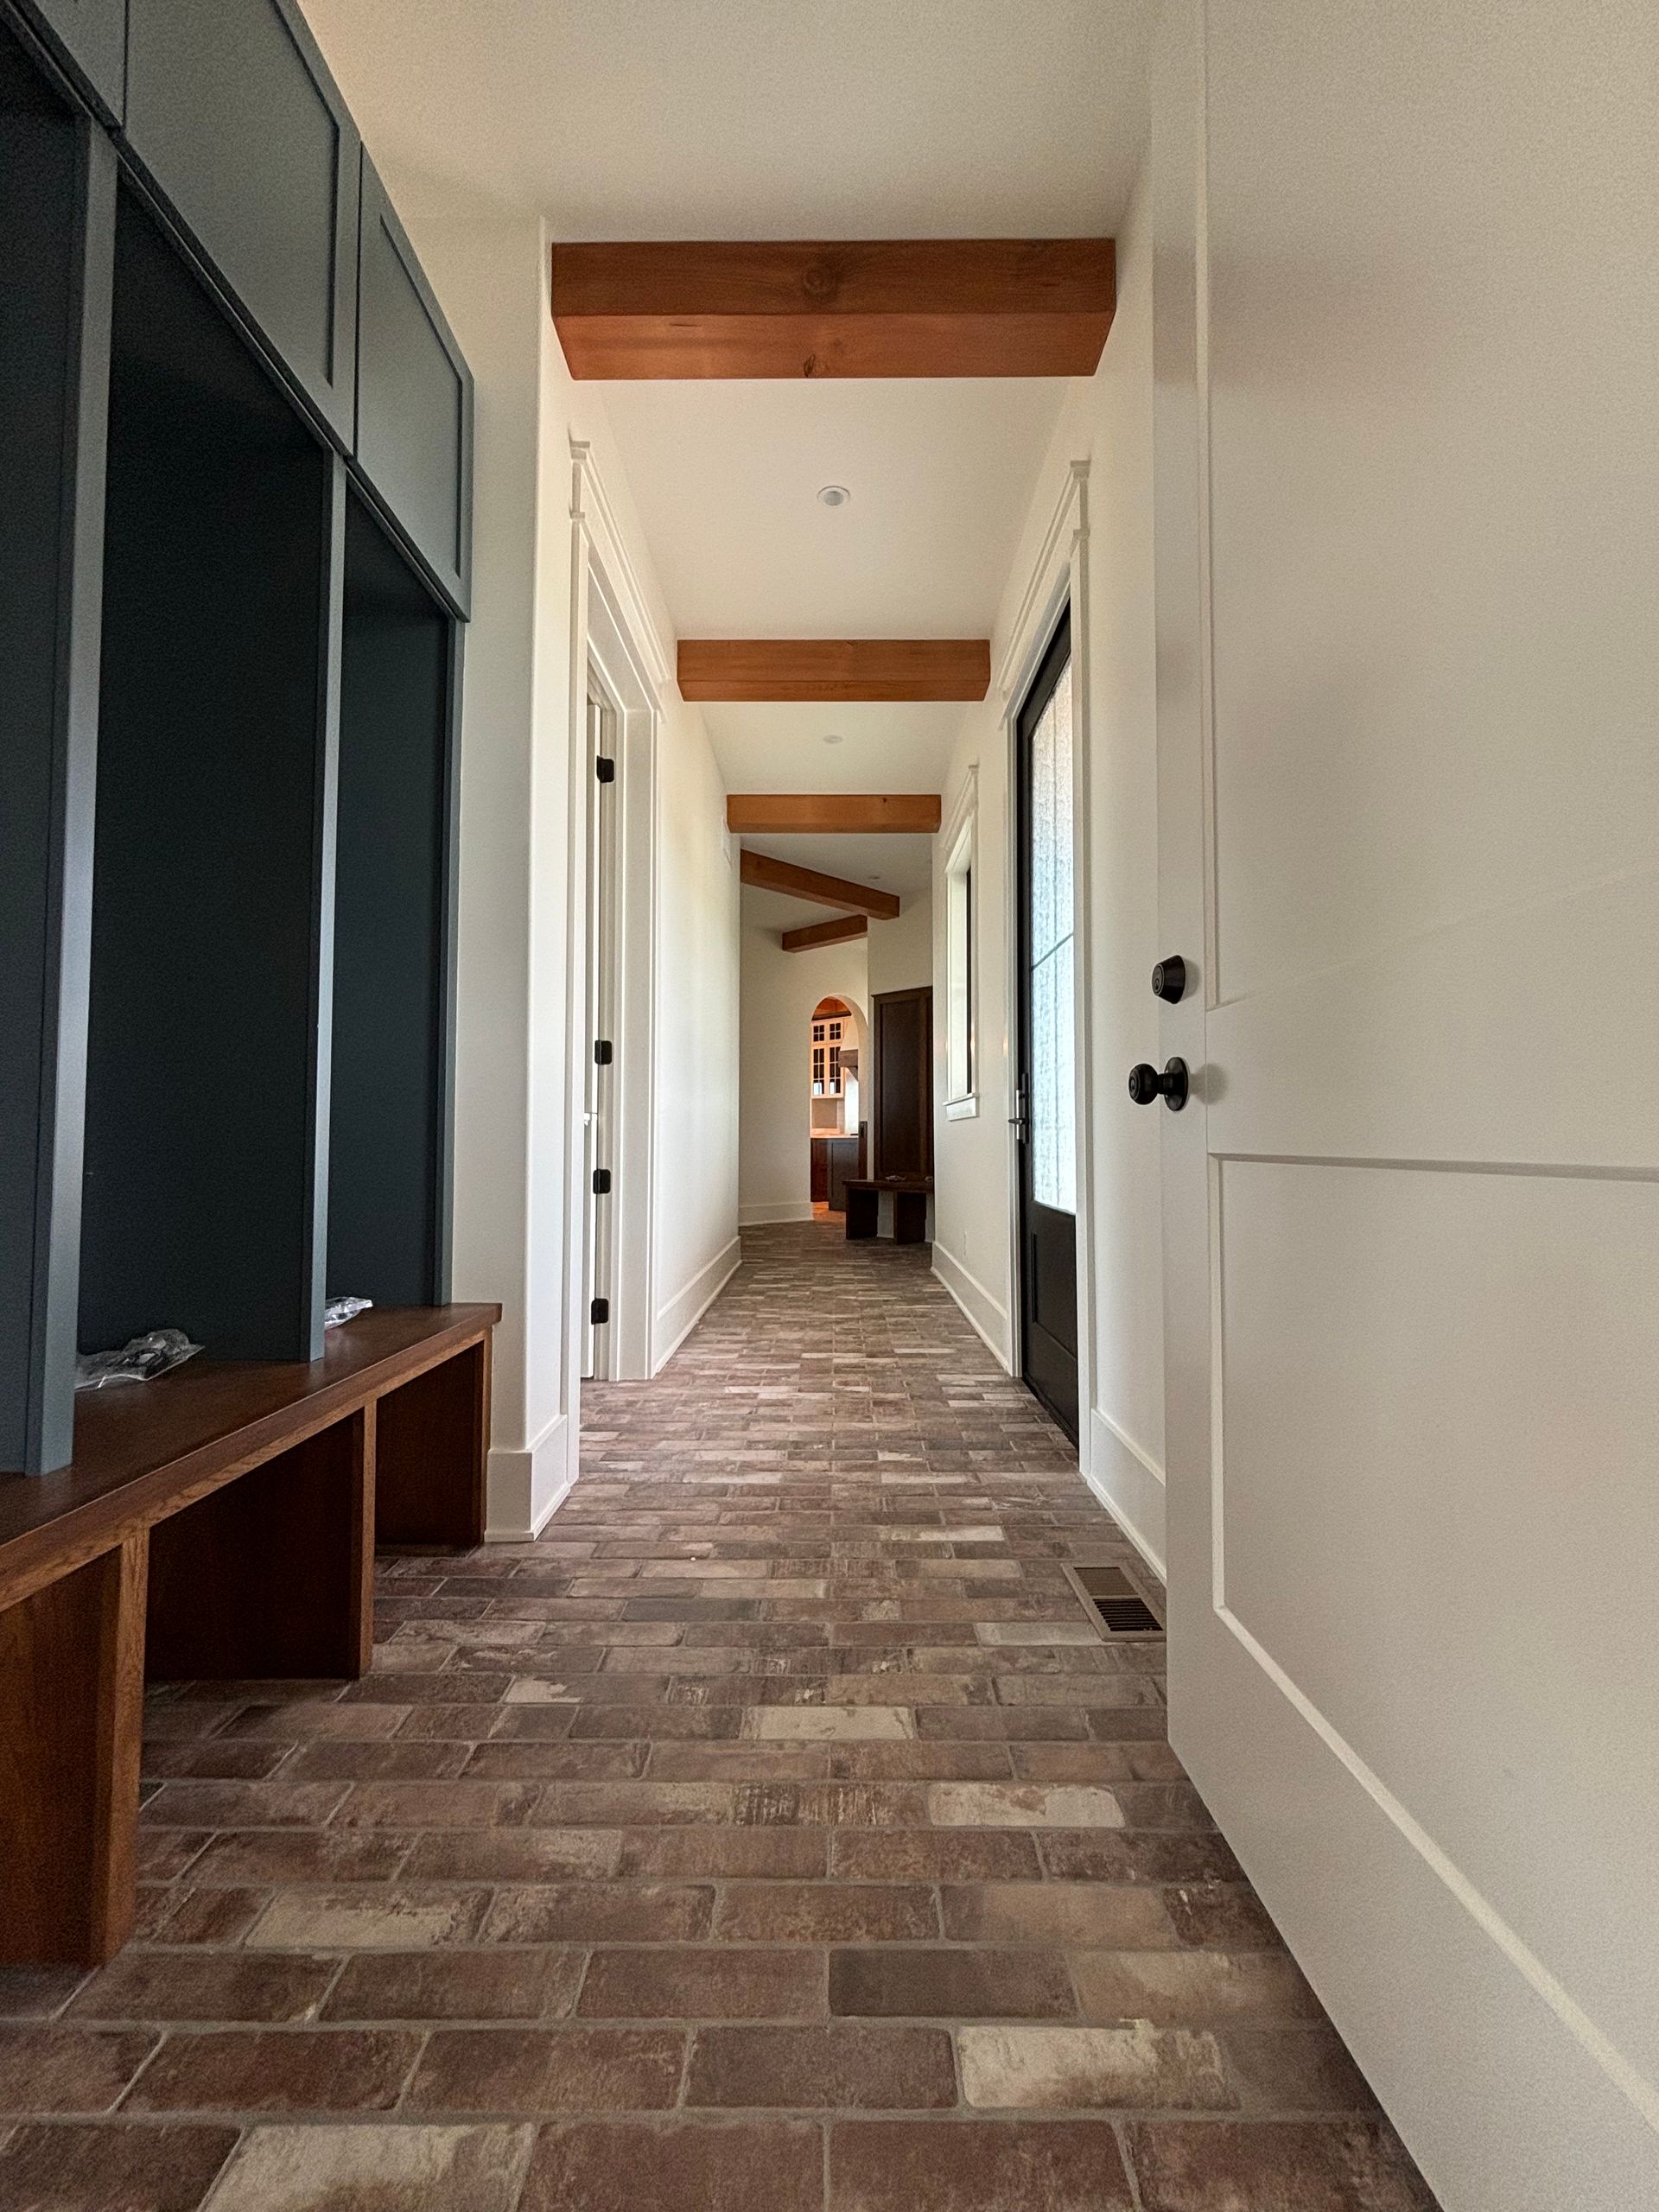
764	873
835	669
857	307
836	932
790	814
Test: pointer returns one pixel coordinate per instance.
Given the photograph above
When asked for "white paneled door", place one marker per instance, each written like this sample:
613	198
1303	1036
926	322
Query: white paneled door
1407	327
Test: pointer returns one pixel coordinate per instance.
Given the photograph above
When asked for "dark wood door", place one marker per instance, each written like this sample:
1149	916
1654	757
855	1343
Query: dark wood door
902	1106
1045	1064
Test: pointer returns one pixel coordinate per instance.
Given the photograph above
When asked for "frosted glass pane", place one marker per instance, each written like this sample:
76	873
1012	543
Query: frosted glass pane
1051	823
1053	1133
1054	1097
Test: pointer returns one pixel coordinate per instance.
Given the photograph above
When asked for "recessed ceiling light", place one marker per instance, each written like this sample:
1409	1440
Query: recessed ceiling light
832	739
834	495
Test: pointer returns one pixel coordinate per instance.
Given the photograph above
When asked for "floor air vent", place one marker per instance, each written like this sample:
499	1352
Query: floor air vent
1127	1616
1115	1602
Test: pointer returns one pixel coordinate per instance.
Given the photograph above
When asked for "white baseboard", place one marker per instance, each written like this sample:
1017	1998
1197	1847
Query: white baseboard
677	1320
1129	1486
988	1318
528	1484
785	1209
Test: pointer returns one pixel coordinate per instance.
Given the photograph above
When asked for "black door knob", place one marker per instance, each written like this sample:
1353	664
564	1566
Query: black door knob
1169	978
1145	1084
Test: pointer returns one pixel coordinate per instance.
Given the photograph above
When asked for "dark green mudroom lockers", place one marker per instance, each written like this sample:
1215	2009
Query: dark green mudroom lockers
237	436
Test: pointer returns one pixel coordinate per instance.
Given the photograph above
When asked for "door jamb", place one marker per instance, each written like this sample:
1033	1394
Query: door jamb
1059	576
616	648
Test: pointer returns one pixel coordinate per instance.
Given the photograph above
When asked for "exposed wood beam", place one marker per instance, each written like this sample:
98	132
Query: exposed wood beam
766	873
834	932
839	669
861	307
788	814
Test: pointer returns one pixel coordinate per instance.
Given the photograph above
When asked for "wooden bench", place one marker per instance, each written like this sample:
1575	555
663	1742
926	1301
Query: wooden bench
218	1522
910	1196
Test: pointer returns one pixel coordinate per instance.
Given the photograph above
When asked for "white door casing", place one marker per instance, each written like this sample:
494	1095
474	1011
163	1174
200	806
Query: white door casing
619	659
599	980
1406	326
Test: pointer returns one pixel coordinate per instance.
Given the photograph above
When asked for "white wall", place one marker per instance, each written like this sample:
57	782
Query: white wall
697	1108
779	990
1107	422
901	951
517	1217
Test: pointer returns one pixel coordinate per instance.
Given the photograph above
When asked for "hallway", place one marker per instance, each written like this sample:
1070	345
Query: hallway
776	1833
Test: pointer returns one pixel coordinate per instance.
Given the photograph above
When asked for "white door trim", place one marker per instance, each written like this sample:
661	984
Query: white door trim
617	650
1059	575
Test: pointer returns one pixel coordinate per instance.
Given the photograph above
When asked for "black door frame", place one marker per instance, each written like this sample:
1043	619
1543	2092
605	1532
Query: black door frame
1062	1405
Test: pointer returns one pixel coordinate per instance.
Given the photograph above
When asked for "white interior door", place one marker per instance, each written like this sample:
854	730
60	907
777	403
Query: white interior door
1408	458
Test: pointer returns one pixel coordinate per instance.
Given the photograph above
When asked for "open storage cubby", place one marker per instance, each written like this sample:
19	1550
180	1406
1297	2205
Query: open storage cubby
234	561
388	1205
201	1200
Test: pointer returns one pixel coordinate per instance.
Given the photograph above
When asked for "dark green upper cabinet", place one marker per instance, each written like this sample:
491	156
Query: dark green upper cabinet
91	37
413	400
233	114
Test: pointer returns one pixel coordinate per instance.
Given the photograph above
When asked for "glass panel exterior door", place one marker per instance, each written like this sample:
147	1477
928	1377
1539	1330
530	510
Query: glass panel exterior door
1053	1094
1047	1056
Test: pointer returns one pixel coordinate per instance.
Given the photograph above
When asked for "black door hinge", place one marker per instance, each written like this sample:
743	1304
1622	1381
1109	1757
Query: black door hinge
602	1182
602	1053
604	769
600	1311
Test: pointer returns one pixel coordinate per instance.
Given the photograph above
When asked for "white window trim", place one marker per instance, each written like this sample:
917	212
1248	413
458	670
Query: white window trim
959	845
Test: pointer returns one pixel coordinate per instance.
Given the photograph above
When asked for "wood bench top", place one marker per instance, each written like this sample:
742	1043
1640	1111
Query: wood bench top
145	1450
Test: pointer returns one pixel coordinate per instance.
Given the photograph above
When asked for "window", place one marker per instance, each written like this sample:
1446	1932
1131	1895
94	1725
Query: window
829	1019
1049	949
961	1075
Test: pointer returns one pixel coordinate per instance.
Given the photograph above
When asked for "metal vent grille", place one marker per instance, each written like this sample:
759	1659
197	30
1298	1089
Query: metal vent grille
1115	1601
1127	1616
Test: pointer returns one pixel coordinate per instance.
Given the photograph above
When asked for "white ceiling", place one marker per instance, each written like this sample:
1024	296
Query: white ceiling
769	910
757	118
725	477
785	118
883	748
890	863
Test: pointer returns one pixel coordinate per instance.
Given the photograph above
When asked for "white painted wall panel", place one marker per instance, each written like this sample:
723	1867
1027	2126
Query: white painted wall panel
1437	1516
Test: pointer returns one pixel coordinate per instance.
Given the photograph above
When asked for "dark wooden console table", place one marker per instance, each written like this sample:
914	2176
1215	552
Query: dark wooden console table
910	1196
218	1522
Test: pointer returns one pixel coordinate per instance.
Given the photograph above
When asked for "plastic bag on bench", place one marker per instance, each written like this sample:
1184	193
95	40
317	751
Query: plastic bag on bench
139	1360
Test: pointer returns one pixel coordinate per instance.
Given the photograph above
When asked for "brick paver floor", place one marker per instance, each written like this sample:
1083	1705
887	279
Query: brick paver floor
776	1835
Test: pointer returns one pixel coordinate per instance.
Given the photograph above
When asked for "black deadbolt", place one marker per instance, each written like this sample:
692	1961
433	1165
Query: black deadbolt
1169	978
1145	1084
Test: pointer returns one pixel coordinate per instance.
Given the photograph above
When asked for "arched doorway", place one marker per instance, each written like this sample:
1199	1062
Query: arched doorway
836	1125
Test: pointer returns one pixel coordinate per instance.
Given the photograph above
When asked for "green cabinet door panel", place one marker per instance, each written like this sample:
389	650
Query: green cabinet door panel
235	119
90	36
413	400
